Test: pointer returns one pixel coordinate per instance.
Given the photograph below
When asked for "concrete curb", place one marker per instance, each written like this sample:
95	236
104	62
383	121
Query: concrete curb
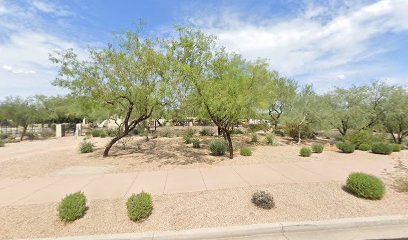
250	230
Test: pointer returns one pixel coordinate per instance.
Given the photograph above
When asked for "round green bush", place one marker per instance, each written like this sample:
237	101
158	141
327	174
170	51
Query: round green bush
317	148
187	139
365	185
72	207
245	152
346	147
103	134
396	147
305	152
364	147
218	147
196	143
270	139
96	132
381	148
86	147
139	206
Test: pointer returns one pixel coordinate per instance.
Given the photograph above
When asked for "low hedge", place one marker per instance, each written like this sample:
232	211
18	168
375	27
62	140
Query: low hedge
86	147
139	206
317	148
382	148
218	147
396	147
72	207
346	147
364	147
305	152
245	152
365	185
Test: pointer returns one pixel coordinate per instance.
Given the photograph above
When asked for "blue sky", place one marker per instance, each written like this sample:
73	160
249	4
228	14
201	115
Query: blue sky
328	43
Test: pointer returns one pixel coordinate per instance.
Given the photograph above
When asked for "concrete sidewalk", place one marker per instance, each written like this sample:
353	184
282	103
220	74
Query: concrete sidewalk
383	227
119	185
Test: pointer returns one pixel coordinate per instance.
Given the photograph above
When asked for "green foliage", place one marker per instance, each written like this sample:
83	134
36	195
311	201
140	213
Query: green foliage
139	206
72	207
196	143
365	185
346	147
3	136
206	132
292	130
270	139
167	132
112	132
317	148
86	147
189	132
396	147
217	147
187	139
237	131
382	148
2	143
363	136
259	127
97	132
245	152
31	136
263	200
305	152
254	138
364	147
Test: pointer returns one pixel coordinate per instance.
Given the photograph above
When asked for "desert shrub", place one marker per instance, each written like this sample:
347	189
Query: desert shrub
3	136
139	206
365	185
364	147
206	132
167	132
47	132
305	152
112	132
270	139
72	207
346	147
196	143
103	134
189	132
359	137
31	135
245	152
401	184
86	147
396	147
381	148
218	147
258	127
263	199
2	143
237	131
306	132
187	139
317	148
97	132
254	138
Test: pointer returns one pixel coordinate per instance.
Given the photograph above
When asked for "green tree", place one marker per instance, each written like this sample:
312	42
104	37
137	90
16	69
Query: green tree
395	121
280	92
305	111
129	79
21	112
222	84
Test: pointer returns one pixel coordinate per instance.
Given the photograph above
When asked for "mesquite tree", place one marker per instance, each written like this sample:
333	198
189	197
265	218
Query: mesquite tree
128	79
222	85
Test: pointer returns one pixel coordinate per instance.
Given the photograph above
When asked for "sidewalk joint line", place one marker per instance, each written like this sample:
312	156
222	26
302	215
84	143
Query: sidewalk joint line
202	178
243	179
131	184
165	182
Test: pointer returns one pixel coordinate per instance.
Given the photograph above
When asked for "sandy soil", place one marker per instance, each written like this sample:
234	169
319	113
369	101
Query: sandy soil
45	157
294	202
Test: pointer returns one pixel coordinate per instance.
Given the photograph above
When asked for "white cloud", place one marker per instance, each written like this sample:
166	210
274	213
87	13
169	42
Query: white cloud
48	7
17	71
320	41
341	76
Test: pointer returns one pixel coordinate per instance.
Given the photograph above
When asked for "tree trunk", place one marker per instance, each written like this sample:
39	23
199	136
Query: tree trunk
230	148
24	132
110	144
219	131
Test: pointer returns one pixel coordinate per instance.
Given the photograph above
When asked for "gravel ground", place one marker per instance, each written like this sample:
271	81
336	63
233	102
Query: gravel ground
46	157
294	202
